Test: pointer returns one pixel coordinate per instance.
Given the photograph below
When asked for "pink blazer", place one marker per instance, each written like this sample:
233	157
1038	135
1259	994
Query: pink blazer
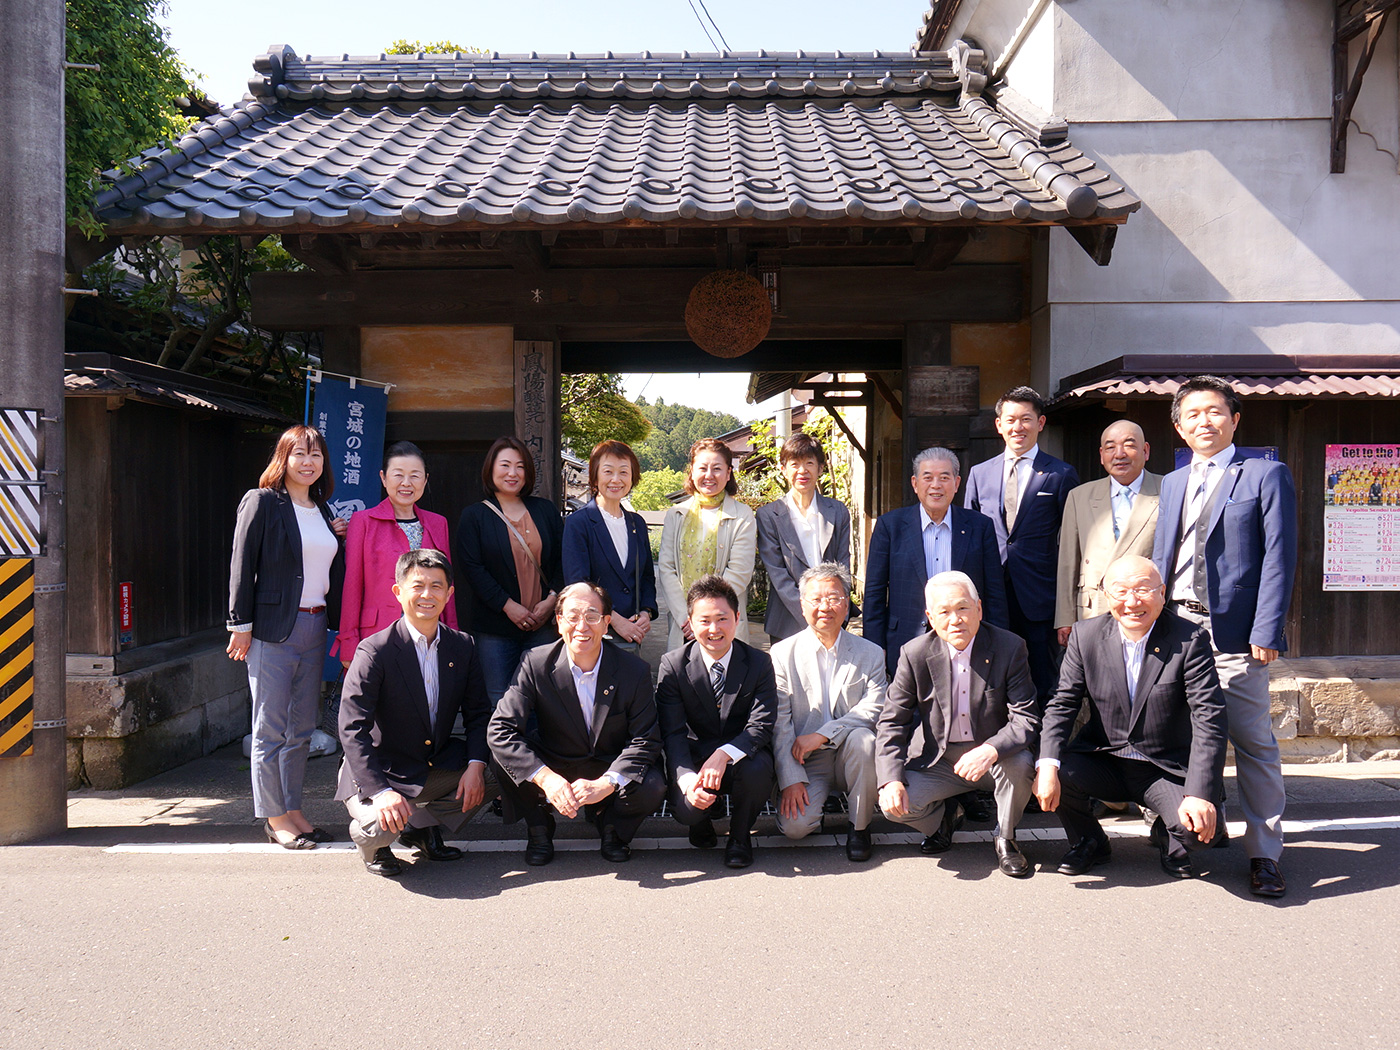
373	544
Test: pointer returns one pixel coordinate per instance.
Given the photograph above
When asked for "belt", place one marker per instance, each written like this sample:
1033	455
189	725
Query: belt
1191	606
313	609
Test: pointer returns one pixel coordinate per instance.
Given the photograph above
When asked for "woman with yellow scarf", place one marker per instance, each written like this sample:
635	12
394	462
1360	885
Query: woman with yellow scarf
712	532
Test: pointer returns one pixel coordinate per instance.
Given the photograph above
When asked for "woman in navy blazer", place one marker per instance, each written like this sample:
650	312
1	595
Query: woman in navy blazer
507	601
594	534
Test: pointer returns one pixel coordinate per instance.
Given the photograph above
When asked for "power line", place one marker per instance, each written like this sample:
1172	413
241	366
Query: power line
705	29
715	24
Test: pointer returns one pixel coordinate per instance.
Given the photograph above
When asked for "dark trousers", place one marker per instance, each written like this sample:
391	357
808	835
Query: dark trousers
748	783
1042	650
1089	776
624	809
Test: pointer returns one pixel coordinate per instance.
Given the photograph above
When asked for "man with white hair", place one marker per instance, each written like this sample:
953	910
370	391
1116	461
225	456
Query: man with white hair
960	713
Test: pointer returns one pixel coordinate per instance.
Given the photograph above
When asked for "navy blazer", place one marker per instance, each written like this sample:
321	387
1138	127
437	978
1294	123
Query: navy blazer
485	563
265	572
1031	551
895	575
589	554
1251	550
389	738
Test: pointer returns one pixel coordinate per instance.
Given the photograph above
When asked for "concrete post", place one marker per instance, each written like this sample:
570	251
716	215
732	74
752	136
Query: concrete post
31	372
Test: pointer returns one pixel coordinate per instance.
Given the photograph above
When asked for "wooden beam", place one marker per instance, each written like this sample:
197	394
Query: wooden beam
1350	26
1372	17
324	254
840	422
526	251
1097	241
883	389
637	296
940	247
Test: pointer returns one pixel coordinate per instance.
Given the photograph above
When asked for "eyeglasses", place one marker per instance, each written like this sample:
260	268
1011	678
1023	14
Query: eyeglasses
592	617
825	601
1119	594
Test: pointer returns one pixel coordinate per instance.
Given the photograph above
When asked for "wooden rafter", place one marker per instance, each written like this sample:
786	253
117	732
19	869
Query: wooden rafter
1353	18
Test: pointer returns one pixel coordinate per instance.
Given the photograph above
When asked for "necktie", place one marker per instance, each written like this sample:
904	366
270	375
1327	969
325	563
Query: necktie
1011	497
1126	495
1199	473
717	682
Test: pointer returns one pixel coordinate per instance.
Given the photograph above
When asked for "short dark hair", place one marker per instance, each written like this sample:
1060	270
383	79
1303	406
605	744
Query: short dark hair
802	446
583	585
427	558
1199	383
404	448
712	586
725	452
616	449
488	465
1022	395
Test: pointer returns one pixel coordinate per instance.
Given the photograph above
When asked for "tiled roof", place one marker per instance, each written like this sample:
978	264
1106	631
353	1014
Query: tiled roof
1283	376
102	374
444	140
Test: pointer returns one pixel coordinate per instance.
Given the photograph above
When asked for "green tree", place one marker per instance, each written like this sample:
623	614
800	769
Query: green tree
432	47
652	488
129	105
593	408
674	429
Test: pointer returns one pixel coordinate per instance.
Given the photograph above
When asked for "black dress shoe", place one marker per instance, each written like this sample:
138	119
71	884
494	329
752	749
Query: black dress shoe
1011	860
1085	854
978	807
612	847
428	841
540	847
1176	867
384	863
702	835
319	835
942	839
738	851
858	844
1265	878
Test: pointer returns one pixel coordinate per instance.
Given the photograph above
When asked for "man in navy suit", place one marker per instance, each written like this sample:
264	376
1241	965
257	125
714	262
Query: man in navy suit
1227	545
1026	513
912	544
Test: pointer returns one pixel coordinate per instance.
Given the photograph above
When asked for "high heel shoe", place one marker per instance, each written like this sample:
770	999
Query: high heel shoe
296	842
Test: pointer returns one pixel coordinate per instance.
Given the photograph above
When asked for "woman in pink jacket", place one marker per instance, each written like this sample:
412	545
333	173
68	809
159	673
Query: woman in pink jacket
376	538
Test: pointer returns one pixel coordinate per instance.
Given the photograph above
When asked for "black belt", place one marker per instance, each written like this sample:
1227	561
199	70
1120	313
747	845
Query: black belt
1192	606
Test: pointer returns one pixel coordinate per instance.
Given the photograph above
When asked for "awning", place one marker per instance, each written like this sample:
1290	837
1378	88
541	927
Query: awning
102	375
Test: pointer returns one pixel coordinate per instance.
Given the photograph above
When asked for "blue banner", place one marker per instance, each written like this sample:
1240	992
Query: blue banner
352	421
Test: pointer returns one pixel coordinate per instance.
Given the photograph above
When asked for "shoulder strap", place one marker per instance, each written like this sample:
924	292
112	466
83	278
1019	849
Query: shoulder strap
519	539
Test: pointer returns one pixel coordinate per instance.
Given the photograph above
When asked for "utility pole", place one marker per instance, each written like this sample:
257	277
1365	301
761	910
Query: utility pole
33	737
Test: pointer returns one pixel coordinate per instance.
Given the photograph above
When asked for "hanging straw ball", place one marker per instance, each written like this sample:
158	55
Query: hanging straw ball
728	313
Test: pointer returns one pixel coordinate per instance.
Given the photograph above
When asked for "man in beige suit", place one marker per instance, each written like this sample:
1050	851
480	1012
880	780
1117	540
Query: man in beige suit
1103	521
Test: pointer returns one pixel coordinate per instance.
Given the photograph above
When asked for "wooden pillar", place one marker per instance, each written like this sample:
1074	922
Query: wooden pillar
340	349
537	411
940	399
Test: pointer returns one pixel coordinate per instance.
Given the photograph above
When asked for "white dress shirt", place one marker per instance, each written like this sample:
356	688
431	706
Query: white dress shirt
617	529
808	527
826	668
426	649
938	541
733	752
960	674
1194	504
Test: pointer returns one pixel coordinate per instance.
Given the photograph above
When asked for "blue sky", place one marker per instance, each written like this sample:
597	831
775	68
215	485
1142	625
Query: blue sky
219	41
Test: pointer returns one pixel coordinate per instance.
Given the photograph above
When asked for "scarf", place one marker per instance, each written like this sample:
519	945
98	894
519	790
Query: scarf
699	548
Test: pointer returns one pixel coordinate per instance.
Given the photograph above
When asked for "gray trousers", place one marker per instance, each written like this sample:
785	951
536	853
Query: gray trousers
849	768
434	806
1258	769
1010	781
285	680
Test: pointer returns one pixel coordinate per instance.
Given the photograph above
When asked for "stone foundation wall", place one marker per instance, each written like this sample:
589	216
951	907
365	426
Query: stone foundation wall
1337	709
151	709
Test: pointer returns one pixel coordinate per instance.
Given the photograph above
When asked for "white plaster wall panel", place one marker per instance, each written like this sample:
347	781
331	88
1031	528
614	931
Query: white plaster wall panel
1033	73
991	23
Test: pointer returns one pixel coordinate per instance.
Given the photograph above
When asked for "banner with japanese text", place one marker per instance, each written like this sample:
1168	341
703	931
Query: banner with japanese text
351	418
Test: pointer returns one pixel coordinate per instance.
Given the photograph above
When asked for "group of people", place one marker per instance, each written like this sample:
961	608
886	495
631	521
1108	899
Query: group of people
1084	645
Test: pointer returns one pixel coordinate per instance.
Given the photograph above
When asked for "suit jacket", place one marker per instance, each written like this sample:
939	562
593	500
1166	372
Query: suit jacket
1087	546
539	721
485	564
1177	715
895	576
857	694
786	561
389	739
733	560
693	724
1029	551
265	572
1251	550
589	554
912	732
373	544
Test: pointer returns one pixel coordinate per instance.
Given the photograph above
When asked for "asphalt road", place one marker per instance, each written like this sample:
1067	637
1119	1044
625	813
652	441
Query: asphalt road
274	949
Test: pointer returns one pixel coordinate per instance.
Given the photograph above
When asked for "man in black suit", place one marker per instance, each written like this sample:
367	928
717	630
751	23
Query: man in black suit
576	732
1156	729
404	773
717	699
959	714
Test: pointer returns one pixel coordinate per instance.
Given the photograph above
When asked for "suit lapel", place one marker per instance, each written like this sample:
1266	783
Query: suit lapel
568	695
1152	666
826	524
1137	519
606	691
841	678
957	528
808	673
787	532
733	677
914	542
1037	482
700	680
602	538
981	665
407	660
1225	491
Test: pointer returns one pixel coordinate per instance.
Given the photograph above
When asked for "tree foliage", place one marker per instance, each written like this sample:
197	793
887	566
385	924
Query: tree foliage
593	408
129	105
652	488
674	429
402	46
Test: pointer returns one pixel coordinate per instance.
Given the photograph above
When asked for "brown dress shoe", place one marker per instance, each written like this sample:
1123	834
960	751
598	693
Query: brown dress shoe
1265	879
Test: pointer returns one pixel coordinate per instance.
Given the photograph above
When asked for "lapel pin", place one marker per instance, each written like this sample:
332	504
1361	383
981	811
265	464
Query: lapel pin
451	664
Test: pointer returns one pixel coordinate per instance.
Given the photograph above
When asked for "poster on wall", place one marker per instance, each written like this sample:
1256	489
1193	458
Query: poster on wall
1361	518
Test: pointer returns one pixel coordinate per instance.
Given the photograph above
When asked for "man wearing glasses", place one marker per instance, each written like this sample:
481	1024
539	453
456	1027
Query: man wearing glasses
831	684
576	732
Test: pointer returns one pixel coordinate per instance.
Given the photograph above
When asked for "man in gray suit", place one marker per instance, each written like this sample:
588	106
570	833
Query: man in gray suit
831	685
960	713
797	532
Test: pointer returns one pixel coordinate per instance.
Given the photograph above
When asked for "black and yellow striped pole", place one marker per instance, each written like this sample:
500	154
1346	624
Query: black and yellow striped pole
16	657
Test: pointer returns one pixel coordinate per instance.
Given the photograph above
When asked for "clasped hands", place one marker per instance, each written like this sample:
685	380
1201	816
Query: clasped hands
633	628
1196	814
570	796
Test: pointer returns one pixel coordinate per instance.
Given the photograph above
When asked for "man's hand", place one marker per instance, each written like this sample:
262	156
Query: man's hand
712	772
696	795
1198	815
894	799
559	792
1062	636
806	744
1264	656
794	801
590	791
392	811
974	765
1047	787
471	789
